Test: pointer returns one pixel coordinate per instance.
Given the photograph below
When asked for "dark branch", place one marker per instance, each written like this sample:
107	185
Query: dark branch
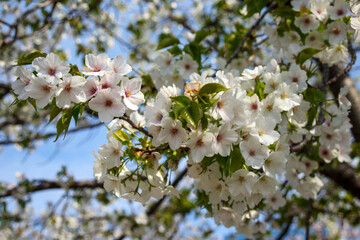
247	34
285	230
39	185
46	136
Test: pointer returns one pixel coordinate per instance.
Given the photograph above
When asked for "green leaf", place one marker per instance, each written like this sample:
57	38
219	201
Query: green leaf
32	102
54	112
77	111
314	96
175	50
27	58
306	54
211	88
182	100
236	160
74	70
255	6
201	35
166	40
66	119
177	110
311	116
59	129
194	50
121	136
260	90
204	122
186	115
195	113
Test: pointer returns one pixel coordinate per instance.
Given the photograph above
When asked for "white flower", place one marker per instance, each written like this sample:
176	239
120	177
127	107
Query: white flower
51	67
118	66
224	139
200	145
165	61
275	164
315	40
327	154
337	54
254	152
217	191
264	130
96	64
111	152
41	89
154	115
173	133
319	9
109	81
296	76
130	90
307	22
269	109
287	97
25	76
355	24
108	105
265	185
339	10
241	182
336	32
299	5
309	187
186	66
70	89
91	87
276	200
223	109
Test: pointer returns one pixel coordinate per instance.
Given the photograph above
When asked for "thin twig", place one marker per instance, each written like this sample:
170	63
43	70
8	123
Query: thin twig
307	220
346	70
285	230
141	129
247	34
46	136
40	185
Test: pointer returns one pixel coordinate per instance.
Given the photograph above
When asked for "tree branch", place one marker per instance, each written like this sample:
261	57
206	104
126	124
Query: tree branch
45	136
39	185
247	34
285	230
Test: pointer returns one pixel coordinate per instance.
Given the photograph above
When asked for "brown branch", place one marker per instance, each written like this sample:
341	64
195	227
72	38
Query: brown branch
45	136
152	210
345	176
271	7
40	185
340	74
141	129
286	229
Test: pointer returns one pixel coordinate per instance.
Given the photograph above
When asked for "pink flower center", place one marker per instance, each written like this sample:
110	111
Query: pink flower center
108	103
219	138
199	143
174	131
93	91
47	88
68	87
97	69
127	93
252	153
340	12
52	71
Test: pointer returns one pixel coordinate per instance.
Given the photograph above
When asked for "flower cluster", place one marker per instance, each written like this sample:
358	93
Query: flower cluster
53	80
238	130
